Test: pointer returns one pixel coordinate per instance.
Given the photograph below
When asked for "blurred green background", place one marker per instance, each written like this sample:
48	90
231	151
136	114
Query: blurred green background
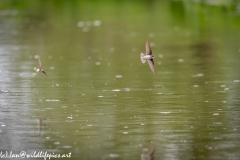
100	101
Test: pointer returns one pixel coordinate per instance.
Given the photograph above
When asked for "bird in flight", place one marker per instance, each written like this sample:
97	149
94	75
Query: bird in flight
148	57
40	66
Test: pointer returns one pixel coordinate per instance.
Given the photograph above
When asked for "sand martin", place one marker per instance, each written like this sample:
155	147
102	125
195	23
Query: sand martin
40	66
150	155
149	57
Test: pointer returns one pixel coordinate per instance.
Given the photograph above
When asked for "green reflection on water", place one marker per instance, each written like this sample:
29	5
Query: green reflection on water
101	101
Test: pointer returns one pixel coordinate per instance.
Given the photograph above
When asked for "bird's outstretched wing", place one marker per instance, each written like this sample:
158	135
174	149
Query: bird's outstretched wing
151	65
148	49
39	62
44	73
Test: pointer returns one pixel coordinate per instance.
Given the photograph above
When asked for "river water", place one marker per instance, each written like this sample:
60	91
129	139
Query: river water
99	101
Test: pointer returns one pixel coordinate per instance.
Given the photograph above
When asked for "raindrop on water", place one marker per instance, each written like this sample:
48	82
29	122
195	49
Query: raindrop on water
118	76
180	60
97	63
97	23
80	24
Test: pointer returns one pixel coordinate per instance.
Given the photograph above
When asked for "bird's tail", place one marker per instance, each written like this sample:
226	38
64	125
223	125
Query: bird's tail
142	59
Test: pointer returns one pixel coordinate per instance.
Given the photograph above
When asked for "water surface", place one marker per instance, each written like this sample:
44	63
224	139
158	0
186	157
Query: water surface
100	101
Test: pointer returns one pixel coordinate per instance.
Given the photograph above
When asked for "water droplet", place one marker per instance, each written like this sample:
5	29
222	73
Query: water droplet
165	112
180	60
97	63
36	56
113	155
52	100
118	76
80	24
56	143
97	23
67	147
4	90
116	90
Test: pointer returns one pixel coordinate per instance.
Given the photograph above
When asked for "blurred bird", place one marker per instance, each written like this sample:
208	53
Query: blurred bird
149	57
40	66
149	155
40	126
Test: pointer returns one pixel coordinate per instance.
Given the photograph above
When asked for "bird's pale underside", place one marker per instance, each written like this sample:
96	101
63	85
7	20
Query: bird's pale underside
148	57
